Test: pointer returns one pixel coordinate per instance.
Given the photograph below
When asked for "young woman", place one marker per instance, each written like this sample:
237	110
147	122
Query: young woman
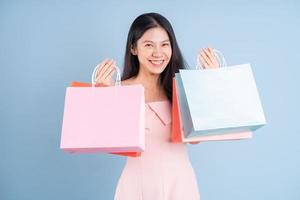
152	58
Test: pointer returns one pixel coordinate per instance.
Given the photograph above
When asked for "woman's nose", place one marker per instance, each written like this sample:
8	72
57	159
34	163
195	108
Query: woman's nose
157	52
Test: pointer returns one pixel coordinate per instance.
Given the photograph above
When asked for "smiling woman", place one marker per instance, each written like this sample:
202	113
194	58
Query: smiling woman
152	51
155	54
152	57
158	53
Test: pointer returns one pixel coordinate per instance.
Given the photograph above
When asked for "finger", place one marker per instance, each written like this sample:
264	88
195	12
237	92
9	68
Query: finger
208	54
99	80
205	57
215	62
109	73
212	57
101	65
106	74
105	67
210	49
203	61
111	64
108	78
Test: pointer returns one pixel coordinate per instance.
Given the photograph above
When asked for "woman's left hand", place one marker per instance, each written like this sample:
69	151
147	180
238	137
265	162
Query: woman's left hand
208	59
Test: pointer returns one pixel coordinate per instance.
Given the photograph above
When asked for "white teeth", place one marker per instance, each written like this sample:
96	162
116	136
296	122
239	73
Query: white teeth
156	62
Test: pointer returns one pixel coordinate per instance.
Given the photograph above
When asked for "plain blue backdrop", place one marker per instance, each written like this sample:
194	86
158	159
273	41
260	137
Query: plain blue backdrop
44	45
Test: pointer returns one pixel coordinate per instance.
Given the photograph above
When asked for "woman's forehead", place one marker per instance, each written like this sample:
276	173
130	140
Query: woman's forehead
155	35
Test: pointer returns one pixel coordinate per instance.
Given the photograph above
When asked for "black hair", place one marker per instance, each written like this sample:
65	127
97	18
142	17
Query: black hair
139	26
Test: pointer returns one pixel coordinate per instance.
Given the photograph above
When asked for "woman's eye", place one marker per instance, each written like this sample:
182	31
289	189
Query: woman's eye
148	45
166	44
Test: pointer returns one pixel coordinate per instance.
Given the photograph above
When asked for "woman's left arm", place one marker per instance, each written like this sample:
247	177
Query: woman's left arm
209	61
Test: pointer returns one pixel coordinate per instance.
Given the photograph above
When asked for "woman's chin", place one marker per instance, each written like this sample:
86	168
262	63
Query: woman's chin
156	70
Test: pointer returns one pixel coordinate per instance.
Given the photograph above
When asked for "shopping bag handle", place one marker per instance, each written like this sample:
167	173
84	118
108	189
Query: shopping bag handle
118	78
219	56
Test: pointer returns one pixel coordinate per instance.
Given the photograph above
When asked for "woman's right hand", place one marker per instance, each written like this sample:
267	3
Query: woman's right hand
105	72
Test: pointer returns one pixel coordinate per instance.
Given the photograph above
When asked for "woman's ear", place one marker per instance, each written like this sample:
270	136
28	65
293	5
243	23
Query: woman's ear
133	50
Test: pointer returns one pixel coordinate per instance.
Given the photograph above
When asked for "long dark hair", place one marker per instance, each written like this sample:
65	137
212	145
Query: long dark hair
131	64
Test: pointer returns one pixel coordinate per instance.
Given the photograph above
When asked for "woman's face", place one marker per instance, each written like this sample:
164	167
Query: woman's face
153	51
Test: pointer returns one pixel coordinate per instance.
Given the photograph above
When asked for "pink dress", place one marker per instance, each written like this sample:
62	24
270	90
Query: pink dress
164	171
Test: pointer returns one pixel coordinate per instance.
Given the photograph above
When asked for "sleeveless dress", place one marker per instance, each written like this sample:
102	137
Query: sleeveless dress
163	171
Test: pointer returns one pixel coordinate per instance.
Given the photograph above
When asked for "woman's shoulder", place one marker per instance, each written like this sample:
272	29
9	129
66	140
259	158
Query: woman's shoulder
129	81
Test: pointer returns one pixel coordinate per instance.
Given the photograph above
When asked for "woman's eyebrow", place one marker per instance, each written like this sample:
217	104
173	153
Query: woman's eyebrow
153	42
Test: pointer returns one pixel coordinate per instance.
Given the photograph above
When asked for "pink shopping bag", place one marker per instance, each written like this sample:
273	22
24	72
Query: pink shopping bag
130	154
104	119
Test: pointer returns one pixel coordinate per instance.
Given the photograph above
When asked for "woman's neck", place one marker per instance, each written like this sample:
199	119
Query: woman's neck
148	80
153	90
150	83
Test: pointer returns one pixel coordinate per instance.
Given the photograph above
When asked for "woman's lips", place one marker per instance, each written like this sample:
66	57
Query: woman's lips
156	62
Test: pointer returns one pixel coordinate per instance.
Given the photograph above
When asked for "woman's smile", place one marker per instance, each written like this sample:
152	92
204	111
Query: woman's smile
157	63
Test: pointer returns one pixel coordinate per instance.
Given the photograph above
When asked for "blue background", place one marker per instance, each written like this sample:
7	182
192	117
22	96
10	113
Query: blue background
45	45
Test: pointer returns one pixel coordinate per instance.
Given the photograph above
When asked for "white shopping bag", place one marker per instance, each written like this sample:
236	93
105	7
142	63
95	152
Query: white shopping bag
219	101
